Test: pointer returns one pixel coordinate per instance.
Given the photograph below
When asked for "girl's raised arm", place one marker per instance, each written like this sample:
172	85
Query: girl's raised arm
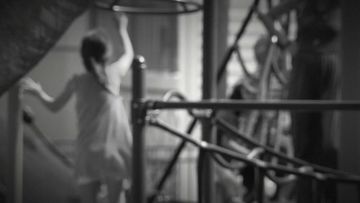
124	62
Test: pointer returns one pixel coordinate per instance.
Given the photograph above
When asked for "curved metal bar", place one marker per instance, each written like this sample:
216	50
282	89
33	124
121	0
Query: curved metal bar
281	180
175	94
166	97
237	165
251	89
278	74
243	65
135	7
222	162
265	73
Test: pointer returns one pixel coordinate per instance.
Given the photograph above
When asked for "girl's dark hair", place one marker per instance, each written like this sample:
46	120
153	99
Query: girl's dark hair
95	46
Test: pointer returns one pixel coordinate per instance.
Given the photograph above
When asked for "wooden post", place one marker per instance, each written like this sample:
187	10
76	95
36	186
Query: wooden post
15	133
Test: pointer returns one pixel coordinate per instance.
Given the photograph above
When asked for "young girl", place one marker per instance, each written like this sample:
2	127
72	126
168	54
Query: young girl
104	140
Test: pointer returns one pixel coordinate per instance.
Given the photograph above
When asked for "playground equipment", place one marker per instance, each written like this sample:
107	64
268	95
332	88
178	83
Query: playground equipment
141	116
141	108
153	7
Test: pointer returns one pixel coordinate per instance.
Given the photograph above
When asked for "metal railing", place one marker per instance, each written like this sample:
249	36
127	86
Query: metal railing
142	117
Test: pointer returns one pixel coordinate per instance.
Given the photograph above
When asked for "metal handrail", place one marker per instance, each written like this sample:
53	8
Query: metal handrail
293	105
29	120
320	176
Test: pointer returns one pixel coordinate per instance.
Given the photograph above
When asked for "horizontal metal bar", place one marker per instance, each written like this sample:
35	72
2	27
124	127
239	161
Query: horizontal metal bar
302	105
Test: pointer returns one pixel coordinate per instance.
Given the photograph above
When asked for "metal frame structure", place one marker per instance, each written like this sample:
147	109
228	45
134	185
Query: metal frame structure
140	107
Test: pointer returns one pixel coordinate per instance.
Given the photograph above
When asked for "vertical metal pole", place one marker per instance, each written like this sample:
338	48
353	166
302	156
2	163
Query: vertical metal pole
259	185
222	8
138	124
205	170
349	151
317	192
15	133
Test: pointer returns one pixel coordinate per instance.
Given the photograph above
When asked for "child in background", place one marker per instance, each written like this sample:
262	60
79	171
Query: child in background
104	142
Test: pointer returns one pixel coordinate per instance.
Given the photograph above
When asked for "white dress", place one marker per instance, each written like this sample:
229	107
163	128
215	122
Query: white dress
104	143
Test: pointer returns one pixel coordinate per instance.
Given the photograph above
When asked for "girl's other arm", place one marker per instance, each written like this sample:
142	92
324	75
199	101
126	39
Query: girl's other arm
53	104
